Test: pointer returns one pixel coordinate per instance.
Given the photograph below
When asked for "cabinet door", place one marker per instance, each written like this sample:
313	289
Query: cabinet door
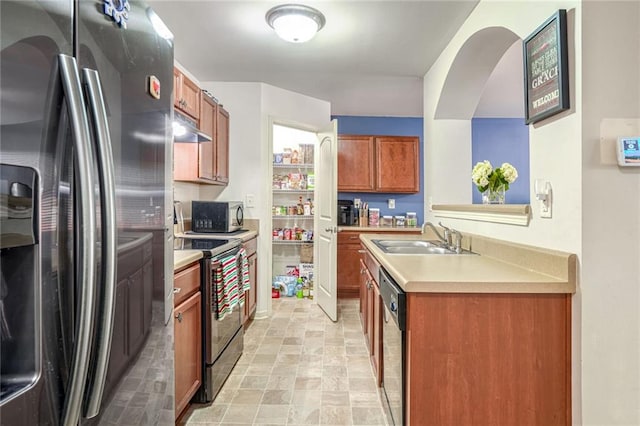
253	277
190	98
348	272
221	169
363	295
206	156
376	355
177	88
356	164
188	350
398	164
370	311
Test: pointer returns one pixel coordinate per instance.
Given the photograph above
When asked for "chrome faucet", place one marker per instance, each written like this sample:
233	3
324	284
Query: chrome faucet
452	238
431	225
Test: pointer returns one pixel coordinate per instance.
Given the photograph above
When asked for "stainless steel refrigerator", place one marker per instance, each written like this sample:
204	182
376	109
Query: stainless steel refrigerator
86	262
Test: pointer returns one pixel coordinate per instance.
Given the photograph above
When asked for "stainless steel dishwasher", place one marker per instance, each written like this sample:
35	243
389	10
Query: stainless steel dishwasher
393	348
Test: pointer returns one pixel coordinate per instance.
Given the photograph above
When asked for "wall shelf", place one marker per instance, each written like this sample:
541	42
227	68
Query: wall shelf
510	214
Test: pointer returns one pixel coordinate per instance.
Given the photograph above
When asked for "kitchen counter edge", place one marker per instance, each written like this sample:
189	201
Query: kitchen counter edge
182	258
498	267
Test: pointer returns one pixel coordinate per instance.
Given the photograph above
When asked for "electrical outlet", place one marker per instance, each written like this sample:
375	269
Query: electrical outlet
392	203
430	204
251	200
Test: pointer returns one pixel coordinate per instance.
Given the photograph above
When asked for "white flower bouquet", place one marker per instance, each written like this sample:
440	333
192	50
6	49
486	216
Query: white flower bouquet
487	178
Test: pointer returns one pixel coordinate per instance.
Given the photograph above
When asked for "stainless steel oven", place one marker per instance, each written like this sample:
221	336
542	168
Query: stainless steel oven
222	337
393	348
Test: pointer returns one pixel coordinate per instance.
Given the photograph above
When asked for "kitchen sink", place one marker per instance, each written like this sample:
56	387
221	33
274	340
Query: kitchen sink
413	247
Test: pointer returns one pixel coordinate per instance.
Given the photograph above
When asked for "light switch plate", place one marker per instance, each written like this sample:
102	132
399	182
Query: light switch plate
250	200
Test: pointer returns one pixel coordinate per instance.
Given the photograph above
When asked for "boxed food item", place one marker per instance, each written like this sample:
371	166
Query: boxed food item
306	270
286	156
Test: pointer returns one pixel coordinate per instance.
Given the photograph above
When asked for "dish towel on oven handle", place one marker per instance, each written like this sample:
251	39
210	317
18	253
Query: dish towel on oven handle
226	286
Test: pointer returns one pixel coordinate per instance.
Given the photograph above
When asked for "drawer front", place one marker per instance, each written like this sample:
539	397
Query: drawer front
185	283
372	265
348	238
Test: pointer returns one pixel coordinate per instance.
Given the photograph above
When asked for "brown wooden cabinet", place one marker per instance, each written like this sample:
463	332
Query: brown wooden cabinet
206	154
251	295
356	172
186	94
371	312
379	164
502	359
221	150
348	273
207	161
188	335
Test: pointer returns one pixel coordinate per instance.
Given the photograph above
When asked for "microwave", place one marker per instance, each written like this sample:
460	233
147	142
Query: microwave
216	216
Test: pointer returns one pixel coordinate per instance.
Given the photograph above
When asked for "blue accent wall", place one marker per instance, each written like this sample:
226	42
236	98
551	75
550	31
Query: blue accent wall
502	140
387	126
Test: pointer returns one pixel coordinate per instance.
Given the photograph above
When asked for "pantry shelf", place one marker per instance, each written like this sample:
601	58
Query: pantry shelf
291	242
293	166
294	216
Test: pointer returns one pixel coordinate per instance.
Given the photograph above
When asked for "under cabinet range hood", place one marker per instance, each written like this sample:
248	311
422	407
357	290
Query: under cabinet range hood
185	129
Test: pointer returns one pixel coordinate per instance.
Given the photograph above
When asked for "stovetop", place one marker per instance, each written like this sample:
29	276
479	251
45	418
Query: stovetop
213	246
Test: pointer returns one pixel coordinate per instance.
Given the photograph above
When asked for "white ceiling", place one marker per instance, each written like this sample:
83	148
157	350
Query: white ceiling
369	59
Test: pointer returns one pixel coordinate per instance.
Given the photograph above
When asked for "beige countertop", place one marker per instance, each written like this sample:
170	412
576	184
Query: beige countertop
244	236
182	258
378	229
498	267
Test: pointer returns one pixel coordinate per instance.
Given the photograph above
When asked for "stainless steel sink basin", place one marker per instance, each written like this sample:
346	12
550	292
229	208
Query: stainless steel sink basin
412	247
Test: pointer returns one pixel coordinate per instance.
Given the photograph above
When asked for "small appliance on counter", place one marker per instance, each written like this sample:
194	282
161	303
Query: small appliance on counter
346	213
216	216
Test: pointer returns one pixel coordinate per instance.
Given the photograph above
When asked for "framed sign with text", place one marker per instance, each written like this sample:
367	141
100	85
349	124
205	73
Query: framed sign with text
546	74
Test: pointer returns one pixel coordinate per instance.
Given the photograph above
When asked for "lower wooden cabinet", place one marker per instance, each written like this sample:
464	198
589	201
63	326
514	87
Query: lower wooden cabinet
251	295
500	359
348	272
371	314
187	322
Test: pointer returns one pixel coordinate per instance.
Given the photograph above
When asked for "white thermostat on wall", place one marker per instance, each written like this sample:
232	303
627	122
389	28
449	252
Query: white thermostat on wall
628	151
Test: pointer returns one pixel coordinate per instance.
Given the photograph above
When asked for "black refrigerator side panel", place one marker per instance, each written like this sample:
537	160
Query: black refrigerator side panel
37	286
132	56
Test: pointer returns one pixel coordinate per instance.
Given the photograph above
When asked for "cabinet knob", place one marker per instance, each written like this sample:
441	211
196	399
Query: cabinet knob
176	290
179	316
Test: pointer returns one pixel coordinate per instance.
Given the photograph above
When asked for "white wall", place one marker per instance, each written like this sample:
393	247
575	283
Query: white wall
596	206
250	106
610	283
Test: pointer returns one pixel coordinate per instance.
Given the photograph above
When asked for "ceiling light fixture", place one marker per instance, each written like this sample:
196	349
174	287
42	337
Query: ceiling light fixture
295	23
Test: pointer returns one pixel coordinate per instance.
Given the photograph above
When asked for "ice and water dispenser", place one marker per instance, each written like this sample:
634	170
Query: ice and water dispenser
19	285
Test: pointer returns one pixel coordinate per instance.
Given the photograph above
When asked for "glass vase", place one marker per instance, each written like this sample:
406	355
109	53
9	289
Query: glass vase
494	195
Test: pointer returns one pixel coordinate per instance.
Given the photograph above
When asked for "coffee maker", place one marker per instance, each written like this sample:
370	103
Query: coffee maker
346	213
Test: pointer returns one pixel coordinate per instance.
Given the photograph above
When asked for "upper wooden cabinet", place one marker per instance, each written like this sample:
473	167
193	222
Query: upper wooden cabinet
378	164
397	164
187	94
205	162
356	156
207	157
221	146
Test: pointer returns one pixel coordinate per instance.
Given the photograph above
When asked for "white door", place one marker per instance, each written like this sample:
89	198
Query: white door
326	220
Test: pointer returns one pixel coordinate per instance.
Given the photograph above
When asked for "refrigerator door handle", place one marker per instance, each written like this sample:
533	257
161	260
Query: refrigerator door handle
106	179
86	221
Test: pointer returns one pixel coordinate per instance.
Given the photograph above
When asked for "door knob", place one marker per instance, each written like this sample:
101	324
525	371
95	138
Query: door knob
328	229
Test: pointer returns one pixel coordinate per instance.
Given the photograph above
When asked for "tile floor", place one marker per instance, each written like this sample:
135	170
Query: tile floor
299	368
